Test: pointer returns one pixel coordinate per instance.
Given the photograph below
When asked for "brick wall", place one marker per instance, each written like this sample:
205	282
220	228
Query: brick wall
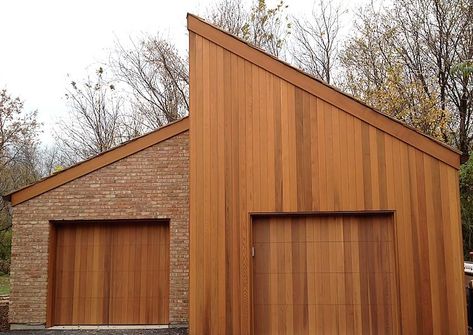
153	183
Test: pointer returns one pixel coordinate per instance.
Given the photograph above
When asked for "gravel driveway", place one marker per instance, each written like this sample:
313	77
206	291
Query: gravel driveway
169	331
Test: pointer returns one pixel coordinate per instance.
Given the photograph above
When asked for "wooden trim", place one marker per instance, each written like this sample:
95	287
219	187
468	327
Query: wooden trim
322	90
106	158
51	275
324	213
110	221
394	219
251	269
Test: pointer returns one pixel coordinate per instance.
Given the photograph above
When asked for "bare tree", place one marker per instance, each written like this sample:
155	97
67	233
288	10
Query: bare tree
48	160
157	78
29	165
268	28
18	141
18	130
316	40
432	36
230	15
95	120
265	27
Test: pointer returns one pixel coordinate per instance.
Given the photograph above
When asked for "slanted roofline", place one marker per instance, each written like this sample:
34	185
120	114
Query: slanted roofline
325	92
97	162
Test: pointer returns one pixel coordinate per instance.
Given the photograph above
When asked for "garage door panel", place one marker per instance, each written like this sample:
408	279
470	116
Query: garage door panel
350	256
301	318
262	326
96	313
297	231
299	257
347	319
262	266
261	288
299	290
324	275
335	259
112	273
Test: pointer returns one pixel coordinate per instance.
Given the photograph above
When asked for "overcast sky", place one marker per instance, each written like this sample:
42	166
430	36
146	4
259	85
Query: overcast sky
42	42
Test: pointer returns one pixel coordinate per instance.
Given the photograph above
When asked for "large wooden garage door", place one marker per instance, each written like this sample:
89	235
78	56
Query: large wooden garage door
111	273
324	275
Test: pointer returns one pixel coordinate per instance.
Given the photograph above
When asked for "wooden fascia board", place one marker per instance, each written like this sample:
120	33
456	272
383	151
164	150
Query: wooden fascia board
325	92
97	162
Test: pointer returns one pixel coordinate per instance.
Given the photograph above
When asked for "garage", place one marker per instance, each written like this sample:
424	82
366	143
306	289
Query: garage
353	216
110	273
324	275
105	241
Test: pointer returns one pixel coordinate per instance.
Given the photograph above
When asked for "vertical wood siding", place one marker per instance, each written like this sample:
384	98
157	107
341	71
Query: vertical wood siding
111	273
324	274
261	144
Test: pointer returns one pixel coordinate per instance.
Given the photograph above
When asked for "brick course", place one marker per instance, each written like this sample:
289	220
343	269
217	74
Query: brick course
152	183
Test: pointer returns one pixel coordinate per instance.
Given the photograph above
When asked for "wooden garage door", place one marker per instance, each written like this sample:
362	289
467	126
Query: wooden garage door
324	275
111	273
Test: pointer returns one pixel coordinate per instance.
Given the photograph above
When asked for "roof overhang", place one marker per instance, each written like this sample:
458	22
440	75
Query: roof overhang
324	91
92	164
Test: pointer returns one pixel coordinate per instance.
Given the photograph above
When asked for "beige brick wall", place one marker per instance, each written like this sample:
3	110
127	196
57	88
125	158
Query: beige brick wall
153	183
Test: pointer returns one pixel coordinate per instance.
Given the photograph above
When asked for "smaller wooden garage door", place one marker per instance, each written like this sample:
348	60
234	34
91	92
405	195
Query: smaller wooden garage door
111	273
324	275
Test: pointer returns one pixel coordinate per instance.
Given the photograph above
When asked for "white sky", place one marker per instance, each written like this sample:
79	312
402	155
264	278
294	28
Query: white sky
42	42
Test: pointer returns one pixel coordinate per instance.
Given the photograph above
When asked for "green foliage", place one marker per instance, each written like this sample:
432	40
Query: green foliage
267	27
5	251
464	68
4	284
466	200
428	45
58	168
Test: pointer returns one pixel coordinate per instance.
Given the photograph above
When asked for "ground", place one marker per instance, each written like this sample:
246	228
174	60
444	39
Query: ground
4	284
170	331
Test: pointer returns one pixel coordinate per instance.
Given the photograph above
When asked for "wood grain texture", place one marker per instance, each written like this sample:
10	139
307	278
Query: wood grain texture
263	141
103	159
328	93
52	252
111	273
324	274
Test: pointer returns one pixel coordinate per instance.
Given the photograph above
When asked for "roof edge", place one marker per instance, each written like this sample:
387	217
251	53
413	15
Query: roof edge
324	91
97	162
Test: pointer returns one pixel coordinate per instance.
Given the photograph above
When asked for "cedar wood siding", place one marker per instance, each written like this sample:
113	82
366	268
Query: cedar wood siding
341	269
266	138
